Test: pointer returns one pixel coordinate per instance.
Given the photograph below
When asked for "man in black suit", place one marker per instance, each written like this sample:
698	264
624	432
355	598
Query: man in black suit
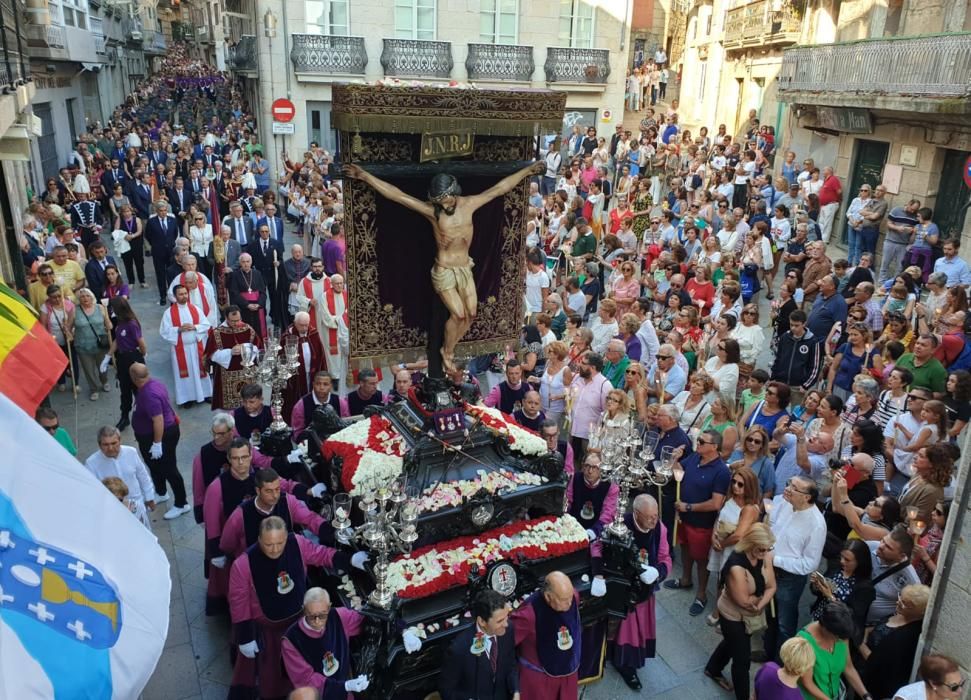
94	270
112	176
481	661
161	231
156	156
209	159
274	222
195	181
141	196
262	250
179	200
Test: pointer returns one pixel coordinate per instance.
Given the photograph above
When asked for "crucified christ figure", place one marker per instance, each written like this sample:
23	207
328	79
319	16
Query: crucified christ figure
450	215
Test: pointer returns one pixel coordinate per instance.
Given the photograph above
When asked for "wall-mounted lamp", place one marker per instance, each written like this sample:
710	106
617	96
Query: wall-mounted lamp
269	24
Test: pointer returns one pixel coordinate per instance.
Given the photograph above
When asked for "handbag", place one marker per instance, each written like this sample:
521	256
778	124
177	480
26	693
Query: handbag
103	342
755	623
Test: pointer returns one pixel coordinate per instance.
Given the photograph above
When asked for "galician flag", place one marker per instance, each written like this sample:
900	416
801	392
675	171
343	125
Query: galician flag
84	586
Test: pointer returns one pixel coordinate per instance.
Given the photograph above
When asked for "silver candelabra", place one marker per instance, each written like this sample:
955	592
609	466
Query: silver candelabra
274	371
626	460
390	526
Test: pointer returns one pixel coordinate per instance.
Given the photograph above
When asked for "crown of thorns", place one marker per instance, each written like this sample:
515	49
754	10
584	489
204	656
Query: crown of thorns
439	190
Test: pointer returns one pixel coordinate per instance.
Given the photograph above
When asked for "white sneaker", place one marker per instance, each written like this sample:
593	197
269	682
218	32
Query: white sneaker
162	499
174	512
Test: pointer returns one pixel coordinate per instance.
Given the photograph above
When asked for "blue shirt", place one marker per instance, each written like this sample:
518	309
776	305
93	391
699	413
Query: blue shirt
957	270
676	380
785	462
673	439
825	313
700	482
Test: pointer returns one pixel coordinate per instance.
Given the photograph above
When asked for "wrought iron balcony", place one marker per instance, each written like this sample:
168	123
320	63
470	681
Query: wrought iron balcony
568	65
242	57
500	62
416	58
153	41
757	24
930	73
328	55
14	64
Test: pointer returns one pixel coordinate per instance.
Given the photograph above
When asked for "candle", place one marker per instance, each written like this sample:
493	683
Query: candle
912	513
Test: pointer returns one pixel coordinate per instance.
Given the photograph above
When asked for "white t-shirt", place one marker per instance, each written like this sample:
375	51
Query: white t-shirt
902	460
536	282
914	691
577	302
552	164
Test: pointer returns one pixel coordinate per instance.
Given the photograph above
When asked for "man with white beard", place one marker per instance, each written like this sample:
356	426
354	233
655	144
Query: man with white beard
336	336
124	462
186	328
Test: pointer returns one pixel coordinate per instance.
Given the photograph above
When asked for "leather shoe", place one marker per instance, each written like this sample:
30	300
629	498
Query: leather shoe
630	678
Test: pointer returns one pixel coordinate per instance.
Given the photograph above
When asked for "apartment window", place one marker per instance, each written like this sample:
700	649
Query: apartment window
328	17
499	21
414	19
576	24
75	13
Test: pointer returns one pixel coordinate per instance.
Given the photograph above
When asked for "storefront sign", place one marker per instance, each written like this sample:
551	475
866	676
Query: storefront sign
848	119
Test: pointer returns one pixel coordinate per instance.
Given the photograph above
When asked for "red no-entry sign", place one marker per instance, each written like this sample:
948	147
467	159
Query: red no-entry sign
283	110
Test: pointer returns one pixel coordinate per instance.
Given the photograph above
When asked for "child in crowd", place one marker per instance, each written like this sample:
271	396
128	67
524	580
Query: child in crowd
755	391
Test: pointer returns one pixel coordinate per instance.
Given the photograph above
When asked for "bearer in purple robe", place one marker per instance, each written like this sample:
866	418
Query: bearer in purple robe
589	499
547	632
636	637
223	495
243	526
266	589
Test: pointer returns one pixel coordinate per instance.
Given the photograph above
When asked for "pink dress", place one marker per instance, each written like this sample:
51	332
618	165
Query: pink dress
626	292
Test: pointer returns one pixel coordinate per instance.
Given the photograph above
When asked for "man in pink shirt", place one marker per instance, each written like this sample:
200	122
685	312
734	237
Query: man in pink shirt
830	197
589	389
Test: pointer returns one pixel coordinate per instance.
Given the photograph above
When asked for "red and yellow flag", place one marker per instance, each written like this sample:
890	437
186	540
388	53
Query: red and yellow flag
30	360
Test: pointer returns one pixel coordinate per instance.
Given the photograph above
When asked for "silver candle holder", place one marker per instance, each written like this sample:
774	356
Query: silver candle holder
390	526
274	371
626	460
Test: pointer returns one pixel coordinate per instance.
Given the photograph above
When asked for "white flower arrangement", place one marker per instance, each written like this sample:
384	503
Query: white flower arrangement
521	440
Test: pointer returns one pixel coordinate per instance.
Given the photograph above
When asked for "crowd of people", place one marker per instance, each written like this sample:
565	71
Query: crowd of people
816	432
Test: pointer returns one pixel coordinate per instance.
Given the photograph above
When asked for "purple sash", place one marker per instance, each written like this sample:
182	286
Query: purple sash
313	650
235	491
279	583
253	517
254	298
549	626
583	494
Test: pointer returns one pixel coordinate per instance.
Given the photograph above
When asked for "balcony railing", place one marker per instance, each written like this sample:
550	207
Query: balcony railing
413	57
924	66
329	55
500	62
757	24
242	57
14	64
568	65
100	45
46	36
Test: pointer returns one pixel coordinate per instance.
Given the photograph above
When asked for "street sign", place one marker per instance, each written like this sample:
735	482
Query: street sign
283	128
967	172
283	110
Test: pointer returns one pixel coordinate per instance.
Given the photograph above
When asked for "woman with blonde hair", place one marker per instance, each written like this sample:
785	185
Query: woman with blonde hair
751	337
92	339
774	682
721	419
555	380
615	419
693	405
754	454
747	585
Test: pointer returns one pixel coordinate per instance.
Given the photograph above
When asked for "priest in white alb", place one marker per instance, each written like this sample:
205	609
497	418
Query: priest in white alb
202	293
309	295
336	335
186	329
124	462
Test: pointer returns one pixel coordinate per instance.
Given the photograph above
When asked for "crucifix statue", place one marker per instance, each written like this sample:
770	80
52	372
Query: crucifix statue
450	214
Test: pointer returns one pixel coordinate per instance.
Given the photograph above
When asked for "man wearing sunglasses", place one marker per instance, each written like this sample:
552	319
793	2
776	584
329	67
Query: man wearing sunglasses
47	418
706	481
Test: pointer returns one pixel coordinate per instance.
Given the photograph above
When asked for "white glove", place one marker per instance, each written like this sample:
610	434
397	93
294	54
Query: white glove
357	561
356	685
598	588
249	649
155	451
103	367
218	562
591	535
318	490
649	575
223	357
411	640
295	456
